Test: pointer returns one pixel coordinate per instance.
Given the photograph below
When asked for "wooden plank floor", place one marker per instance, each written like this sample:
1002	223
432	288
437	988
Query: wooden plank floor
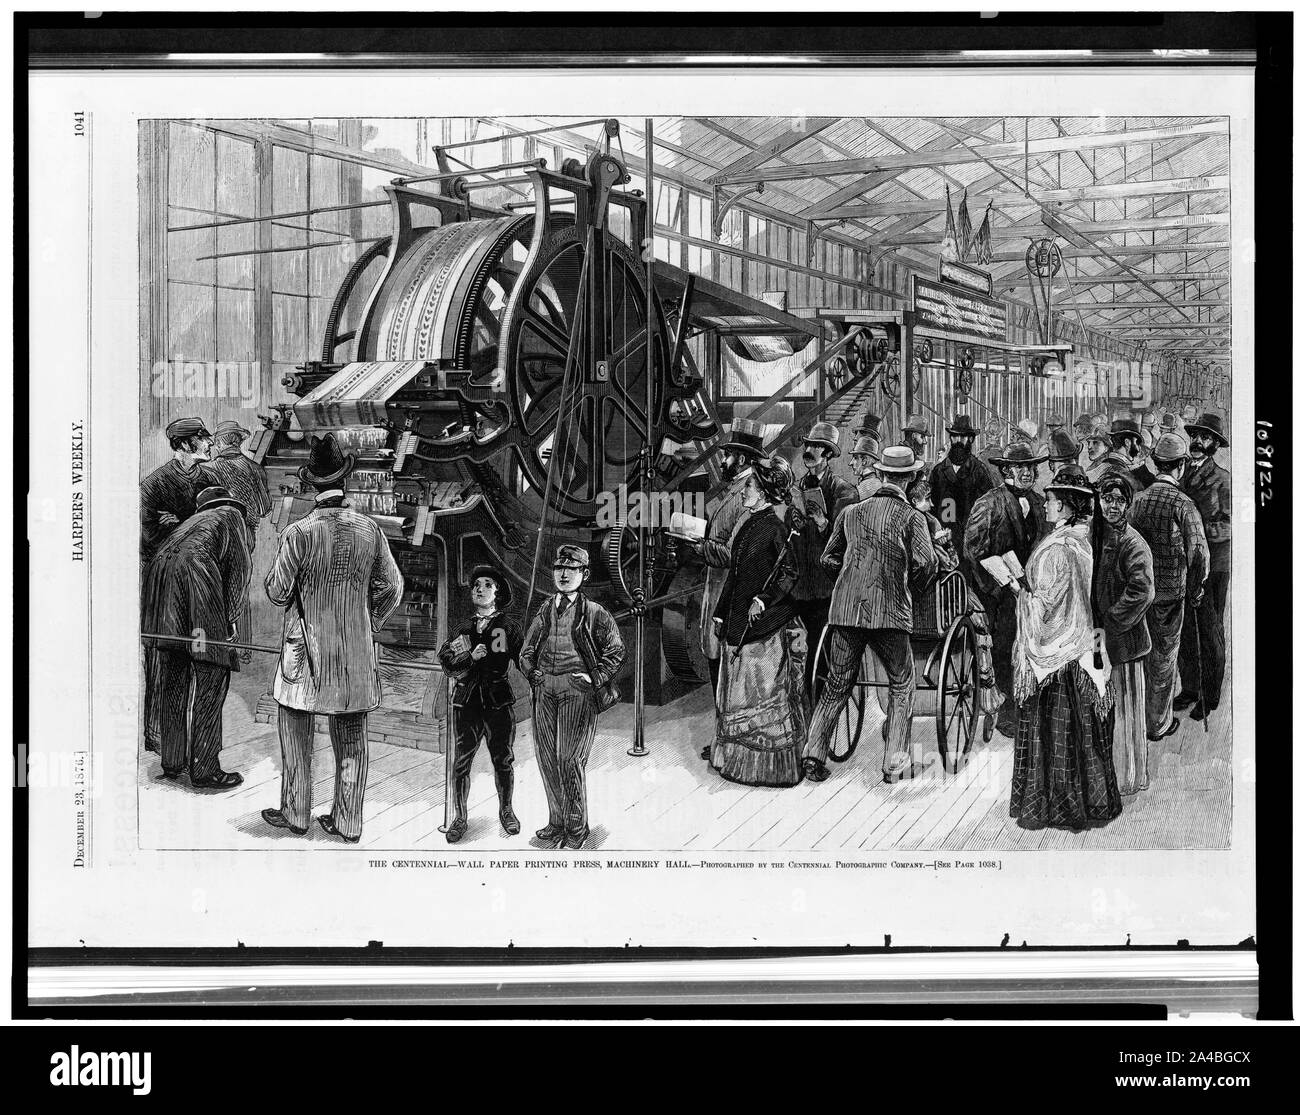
671	800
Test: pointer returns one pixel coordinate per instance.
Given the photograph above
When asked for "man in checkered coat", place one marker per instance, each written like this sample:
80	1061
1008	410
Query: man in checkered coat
1167	518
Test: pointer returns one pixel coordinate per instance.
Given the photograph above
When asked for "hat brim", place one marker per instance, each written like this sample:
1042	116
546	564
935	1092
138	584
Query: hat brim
224	501
349	461
1069	488
962	430
741	447
897	471
497	577
1196	427
835	449
1007	461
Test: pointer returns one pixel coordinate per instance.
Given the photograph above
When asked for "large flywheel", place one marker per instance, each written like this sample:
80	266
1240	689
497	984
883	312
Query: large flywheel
590	423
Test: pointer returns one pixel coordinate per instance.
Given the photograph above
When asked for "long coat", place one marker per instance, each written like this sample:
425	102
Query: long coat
962	487
169	488
814	583
996	525
246	480
1210	487
756	548
336	579
198	583
882	550
1126	588
716	552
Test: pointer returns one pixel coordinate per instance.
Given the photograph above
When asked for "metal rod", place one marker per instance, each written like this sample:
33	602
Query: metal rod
638	747
291	248
281	216
189	640
512	135
443	175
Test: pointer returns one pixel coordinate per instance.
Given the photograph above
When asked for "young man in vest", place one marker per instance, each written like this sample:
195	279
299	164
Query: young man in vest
571	654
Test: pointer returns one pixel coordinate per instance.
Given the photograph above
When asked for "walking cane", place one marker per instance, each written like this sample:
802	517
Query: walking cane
1200	667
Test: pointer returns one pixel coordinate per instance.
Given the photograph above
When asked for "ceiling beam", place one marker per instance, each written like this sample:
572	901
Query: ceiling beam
1137	250
801	129
1096	228
1125	280
965	154
1191	304
1080	194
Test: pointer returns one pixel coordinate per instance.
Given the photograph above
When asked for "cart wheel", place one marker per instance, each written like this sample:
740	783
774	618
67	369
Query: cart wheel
848	729
959	695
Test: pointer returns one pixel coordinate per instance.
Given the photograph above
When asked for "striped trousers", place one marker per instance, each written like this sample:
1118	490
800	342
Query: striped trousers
564	728
351	760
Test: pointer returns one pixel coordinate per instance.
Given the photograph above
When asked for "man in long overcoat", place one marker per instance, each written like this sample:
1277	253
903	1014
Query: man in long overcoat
336	579
1210	486
1009	517
195	588
958	480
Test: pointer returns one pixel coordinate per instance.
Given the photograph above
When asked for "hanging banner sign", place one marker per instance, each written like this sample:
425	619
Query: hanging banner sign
963	275
953	310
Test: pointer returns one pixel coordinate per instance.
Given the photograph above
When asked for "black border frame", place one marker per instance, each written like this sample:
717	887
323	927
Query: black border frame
47	40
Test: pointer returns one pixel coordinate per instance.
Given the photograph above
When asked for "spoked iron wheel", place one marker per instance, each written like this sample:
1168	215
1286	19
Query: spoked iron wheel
848	728
959	695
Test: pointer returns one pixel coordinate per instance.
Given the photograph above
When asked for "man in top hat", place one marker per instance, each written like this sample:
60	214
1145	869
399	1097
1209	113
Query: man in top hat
1167	518
815	503
1011	517
869	426
1061	450
1210	487
571	655
883	554
167	497
738	456
916	436
337	582
959	479
245	478
478	660
195	589
1126	454
866	452
1169	424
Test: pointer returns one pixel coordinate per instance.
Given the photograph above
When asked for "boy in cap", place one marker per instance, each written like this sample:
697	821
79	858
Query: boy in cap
478	660
1167	518
571	654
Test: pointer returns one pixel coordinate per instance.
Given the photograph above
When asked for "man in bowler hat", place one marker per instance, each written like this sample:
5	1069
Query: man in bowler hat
478	662
337	582
571	654
959	479
1210	487
195	589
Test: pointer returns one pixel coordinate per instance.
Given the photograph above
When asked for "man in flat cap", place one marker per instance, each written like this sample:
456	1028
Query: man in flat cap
247	482
337	582
816	500
1167	518
1012	516
571	654
195	589
959	479
167	498
738	456
1210	487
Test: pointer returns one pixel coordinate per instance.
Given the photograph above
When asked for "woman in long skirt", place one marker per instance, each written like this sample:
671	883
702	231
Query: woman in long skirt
1063	776
761	701
1125	588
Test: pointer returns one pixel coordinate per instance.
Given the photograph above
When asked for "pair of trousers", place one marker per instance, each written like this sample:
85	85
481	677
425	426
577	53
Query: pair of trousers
188	703
476	724
564	728
1164	622
814	614
351	762
1207	657
1000	608
845	646
152	727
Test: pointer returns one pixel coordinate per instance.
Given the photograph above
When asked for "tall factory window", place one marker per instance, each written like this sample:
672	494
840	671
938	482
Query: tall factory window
210	179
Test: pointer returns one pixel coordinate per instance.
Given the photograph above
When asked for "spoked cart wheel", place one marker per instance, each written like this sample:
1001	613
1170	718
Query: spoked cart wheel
848	729
959	695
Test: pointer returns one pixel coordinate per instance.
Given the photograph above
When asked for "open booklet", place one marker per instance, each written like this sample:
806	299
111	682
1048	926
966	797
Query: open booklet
1004	568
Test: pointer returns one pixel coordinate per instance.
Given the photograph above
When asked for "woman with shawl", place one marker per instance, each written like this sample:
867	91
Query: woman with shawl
1063	776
